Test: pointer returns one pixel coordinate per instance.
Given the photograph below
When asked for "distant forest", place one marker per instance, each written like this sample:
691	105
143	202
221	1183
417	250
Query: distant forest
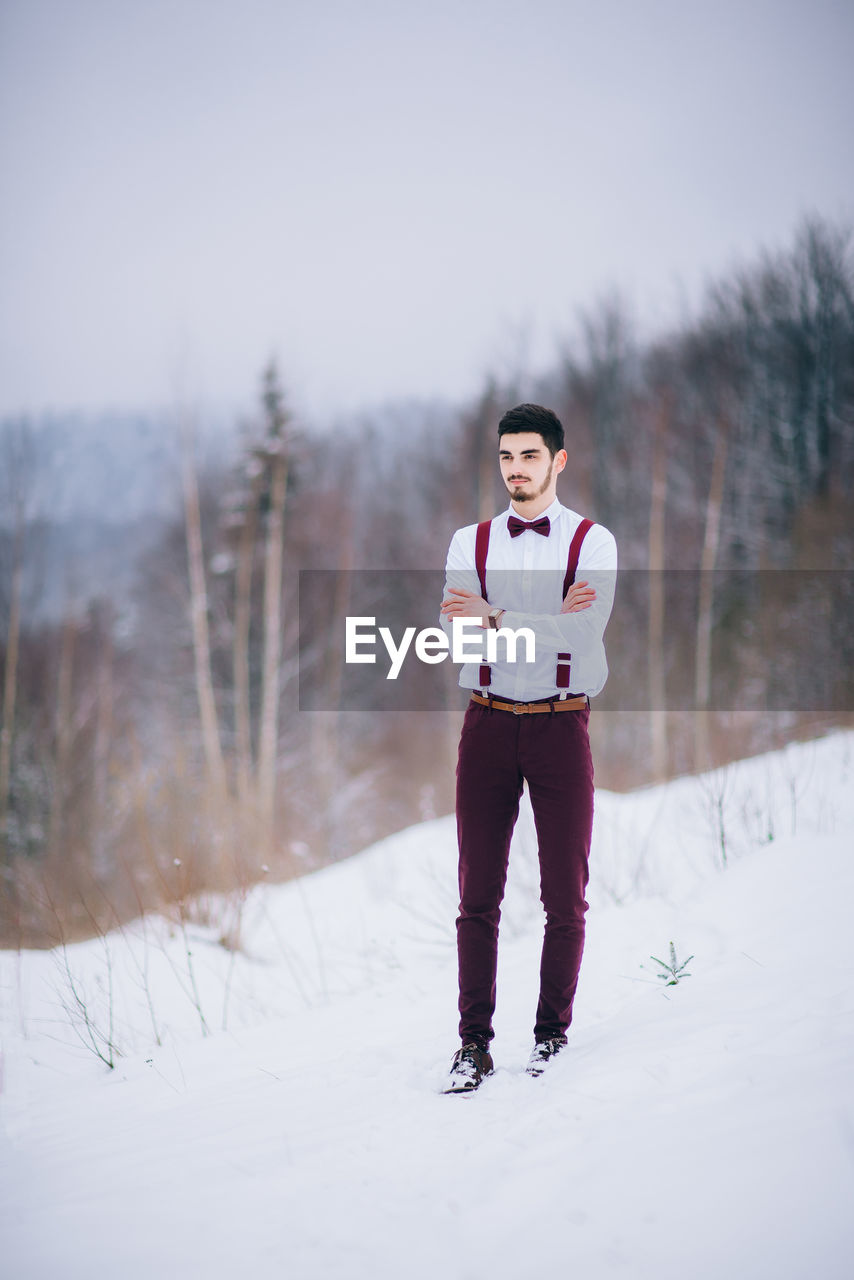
153	744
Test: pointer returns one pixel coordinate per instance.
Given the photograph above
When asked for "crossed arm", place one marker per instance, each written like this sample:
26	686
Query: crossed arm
584	613
460	603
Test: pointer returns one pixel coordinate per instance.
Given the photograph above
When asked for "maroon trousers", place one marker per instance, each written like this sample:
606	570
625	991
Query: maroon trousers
499	749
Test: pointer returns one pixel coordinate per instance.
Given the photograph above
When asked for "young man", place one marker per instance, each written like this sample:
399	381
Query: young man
527	721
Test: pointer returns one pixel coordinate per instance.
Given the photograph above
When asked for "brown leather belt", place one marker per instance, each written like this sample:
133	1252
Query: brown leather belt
529	708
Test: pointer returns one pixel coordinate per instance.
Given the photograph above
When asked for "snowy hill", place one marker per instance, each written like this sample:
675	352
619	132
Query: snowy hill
277	1108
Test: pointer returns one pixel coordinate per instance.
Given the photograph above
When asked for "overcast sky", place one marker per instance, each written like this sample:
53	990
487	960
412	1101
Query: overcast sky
387	195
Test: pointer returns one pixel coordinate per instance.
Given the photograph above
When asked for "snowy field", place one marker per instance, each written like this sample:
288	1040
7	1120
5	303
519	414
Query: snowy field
276	1110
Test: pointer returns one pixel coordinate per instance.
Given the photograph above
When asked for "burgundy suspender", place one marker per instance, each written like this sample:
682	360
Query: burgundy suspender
574	552
563	659
481	547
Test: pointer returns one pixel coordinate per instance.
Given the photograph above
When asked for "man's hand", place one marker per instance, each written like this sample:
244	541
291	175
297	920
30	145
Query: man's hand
579	596
465	604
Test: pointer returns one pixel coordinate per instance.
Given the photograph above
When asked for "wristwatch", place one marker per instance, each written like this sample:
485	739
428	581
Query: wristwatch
494	615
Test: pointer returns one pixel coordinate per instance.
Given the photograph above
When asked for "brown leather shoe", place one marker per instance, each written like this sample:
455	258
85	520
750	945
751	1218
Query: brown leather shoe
542	1054
470	1066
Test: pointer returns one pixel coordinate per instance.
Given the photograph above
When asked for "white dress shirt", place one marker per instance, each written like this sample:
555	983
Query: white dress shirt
524	576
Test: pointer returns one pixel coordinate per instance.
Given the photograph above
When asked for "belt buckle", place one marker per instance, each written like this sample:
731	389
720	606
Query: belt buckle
519	708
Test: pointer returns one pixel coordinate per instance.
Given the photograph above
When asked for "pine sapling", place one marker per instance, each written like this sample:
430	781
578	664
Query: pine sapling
671	973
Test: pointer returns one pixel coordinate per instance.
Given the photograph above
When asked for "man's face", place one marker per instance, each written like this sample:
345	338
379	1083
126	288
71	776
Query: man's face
527	467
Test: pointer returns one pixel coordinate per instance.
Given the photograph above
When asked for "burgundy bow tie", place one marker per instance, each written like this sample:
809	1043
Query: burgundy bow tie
517	526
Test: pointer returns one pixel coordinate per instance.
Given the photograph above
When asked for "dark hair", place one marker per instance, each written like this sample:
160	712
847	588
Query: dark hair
533	417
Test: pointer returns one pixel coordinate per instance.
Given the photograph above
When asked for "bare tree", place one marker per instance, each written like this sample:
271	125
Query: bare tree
11	673
708	560
655	635
247	521
482	427
277	458
199	613
103	735
63	734
18	470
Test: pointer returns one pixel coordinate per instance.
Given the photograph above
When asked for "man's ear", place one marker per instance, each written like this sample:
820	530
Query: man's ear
560	459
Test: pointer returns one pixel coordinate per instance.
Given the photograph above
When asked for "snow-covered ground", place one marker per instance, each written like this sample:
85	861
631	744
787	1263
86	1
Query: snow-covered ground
277	1111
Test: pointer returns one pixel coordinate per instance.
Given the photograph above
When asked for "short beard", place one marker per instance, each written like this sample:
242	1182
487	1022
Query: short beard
529	497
